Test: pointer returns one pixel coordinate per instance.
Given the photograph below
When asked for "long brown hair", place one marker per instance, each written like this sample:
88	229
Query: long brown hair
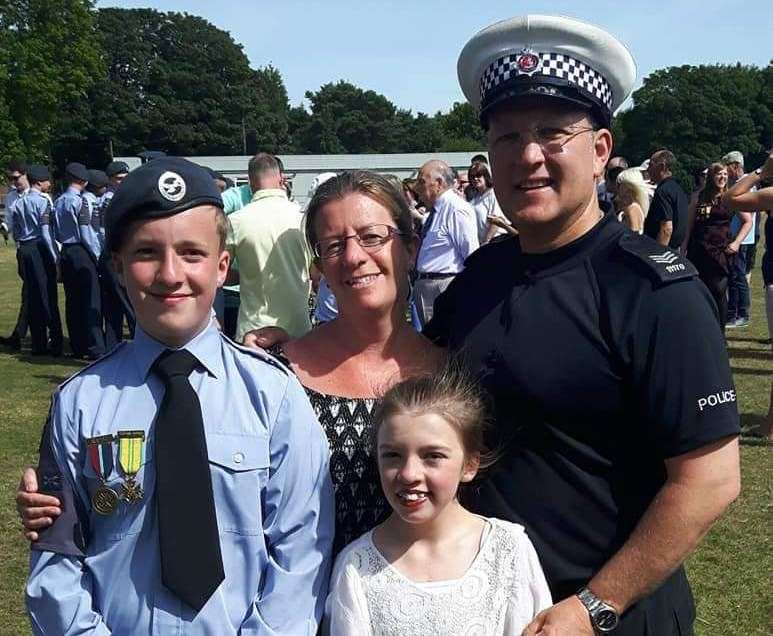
710	192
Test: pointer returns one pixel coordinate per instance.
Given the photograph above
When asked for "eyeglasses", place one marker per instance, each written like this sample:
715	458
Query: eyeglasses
371	238
550	139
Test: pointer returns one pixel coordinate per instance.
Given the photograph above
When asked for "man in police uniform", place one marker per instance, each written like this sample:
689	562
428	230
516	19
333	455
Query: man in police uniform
72	228
615	411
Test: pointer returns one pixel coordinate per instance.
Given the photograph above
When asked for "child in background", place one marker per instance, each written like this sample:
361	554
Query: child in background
433	567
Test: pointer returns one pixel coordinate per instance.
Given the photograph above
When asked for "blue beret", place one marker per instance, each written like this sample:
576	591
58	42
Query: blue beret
166	186
116	167
97	178
77	171
37	173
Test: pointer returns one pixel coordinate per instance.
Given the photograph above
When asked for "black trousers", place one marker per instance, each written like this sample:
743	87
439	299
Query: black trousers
115	303
20	330
38	271
82	301
715	277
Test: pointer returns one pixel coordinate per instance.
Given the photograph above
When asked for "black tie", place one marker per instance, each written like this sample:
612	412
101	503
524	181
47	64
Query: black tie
191	563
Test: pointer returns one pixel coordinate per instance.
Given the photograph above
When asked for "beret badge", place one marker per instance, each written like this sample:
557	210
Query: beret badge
171	186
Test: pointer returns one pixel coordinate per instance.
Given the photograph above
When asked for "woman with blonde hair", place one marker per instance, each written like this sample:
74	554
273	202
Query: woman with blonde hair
632	200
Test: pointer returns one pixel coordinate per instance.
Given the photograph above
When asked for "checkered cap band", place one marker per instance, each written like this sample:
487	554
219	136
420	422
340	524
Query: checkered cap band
577	73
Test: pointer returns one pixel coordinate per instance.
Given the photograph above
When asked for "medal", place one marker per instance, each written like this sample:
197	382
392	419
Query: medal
131	456
105	500
100	451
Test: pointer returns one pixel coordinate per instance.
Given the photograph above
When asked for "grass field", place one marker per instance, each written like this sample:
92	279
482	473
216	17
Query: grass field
730	573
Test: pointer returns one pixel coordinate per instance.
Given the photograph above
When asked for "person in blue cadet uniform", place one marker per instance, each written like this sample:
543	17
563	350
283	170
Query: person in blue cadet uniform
37	255
71	225
193	473
615	412
94	196
116	307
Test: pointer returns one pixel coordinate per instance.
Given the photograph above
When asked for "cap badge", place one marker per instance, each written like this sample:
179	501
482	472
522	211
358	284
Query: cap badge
528	61
171	186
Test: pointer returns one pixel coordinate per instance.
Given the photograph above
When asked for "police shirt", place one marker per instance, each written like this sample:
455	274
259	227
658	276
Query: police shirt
604	358
268	457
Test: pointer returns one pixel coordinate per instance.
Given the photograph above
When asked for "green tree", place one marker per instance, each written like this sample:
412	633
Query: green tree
49	60
699	113
461	129
173	82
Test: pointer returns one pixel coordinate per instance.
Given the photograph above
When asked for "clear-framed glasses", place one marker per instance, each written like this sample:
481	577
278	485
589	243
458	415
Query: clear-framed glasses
371	238
549	138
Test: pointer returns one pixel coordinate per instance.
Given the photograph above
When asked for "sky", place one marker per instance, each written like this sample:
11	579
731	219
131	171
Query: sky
407	49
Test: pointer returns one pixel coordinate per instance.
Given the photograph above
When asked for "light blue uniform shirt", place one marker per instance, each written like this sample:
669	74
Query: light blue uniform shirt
11	197
268	458
95	213
31	216
72	221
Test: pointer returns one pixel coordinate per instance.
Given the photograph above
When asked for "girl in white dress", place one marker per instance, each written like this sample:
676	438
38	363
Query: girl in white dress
434	568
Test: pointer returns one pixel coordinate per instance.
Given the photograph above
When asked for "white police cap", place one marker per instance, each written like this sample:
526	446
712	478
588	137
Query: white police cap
550	56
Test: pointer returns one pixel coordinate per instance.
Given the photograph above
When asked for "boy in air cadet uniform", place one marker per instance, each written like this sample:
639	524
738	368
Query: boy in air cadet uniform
115	303
614	402
93	194
71	225
193	473
37	255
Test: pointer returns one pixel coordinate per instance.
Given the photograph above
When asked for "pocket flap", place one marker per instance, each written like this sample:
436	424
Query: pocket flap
237	452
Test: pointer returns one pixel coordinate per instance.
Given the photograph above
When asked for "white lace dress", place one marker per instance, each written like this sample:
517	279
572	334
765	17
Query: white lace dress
500	593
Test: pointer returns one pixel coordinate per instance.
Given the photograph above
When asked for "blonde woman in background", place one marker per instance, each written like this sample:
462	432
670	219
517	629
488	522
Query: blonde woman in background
632	200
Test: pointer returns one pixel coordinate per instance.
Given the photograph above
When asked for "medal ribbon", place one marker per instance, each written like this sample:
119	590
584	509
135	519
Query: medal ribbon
100	450
131	451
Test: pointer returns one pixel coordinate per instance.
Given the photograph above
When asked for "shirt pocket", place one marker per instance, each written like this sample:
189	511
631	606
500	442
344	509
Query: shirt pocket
239	466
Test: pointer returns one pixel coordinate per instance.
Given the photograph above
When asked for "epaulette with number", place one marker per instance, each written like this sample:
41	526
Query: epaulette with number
664	264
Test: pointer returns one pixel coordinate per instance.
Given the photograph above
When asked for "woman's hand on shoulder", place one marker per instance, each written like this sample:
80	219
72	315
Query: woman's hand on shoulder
36	511
265	337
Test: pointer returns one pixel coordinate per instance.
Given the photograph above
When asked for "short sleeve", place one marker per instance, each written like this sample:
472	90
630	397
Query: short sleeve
681	373
346	610
662	207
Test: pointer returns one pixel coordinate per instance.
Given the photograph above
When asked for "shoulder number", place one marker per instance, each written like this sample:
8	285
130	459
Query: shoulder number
663	263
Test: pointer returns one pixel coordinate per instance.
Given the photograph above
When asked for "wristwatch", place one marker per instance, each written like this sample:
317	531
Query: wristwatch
603	616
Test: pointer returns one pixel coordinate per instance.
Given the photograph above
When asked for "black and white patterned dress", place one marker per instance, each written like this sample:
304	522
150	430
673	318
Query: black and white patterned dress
348	424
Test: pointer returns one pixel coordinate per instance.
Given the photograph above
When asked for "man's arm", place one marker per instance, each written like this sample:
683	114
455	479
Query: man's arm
665	232
465	232
700	486
747	221
298	522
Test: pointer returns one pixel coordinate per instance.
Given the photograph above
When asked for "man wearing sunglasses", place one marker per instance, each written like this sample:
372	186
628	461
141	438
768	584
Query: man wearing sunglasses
615	413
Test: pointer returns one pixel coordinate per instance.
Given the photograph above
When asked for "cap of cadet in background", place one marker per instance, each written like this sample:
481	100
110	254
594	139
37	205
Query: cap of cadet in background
163	187
98	179
116	167
733	157
546	56
37	173
77	171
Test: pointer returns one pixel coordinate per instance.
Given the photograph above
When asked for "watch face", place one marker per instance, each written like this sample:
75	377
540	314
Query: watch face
606	620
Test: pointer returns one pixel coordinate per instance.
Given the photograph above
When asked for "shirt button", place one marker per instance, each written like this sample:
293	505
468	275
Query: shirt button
238	458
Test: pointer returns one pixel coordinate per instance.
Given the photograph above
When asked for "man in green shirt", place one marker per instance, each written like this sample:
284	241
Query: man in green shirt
266	237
